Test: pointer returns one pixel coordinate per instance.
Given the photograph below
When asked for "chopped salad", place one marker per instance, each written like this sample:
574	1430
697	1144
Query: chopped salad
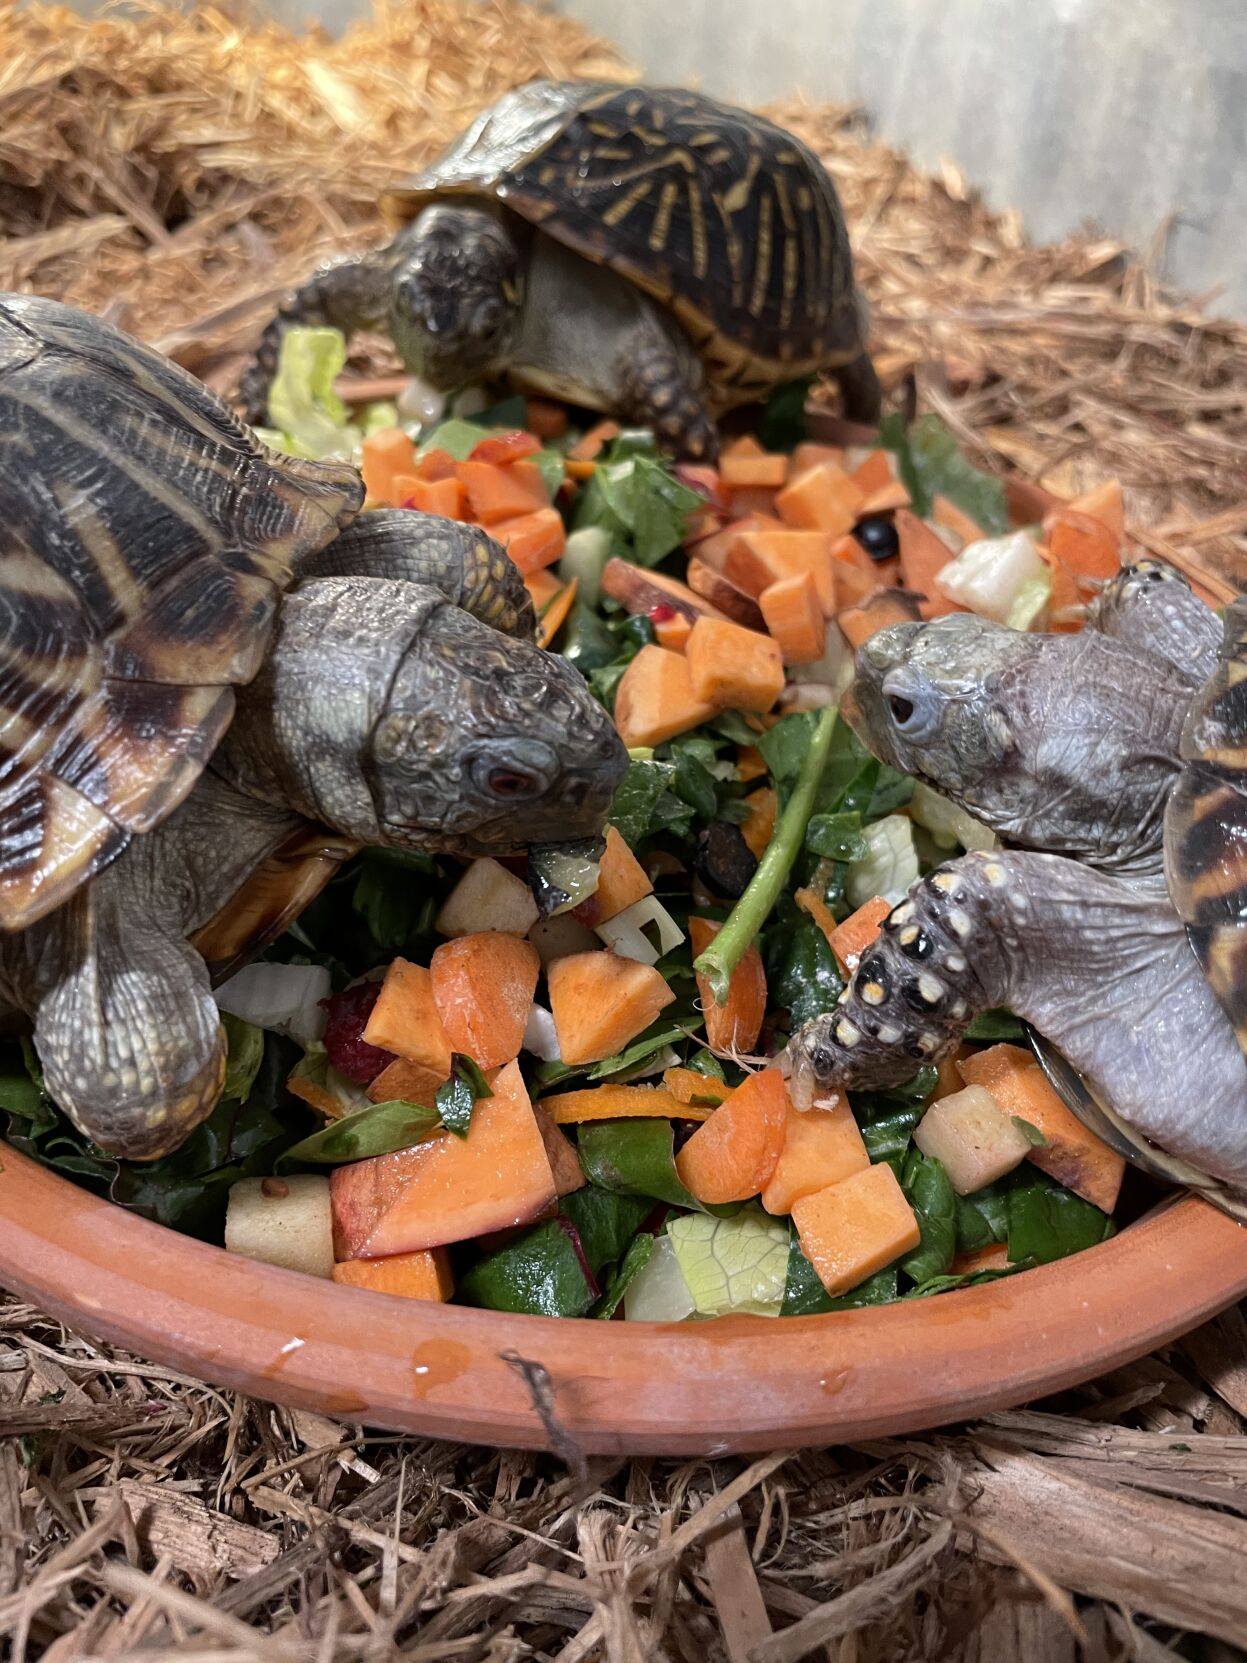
549	1084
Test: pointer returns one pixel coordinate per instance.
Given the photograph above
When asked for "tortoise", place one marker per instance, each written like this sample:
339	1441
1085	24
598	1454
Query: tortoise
640	250
171	724
1112	764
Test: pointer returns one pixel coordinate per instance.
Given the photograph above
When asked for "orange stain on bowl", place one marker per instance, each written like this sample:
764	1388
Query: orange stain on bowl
436	1363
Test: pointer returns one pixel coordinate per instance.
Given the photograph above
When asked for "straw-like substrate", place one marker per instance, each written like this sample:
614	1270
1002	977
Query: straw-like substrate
176	171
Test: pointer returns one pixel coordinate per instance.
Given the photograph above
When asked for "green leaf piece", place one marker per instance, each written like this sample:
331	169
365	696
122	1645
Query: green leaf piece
380	1129
930	1194
456	1097
633	1157
623	1275
1047	1222
542	1273
605	1221
245	1054
733	1265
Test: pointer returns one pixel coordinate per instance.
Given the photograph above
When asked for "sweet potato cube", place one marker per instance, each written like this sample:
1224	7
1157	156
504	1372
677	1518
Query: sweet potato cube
823	498
406	1082
734	1026
534	540
945	512
760	558
483	987
405	1019
1073	1154
655	698
875	471
713	550
621	881
809	453
444	497
1105	504
601	1001
447	1188
731	668
856	1227
745	463
759	828
821	1146
639	590
387	454
796	618
732	1155
728	598
542	587
498	491
1083	545
424	1275
672	633
973	1136
878	611
923	557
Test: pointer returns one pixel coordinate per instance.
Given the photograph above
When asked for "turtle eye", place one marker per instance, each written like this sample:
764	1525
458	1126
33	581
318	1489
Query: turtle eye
510	783
902	709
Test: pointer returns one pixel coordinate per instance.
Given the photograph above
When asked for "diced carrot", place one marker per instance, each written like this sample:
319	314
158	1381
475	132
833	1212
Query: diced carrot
407	1082
823	498
821	1146
483	986
573	1108
578	469
759	558
885	500
595	440
856	1227
1067	601
732	1027
946	513
532	540
405	1019
758	829
555	614
505	447
543	586
808	454
750	763
317	1096
876	612
877	470
859	931
385	454
813	905
923	556
1073	1155
565	1167
731	668
688	1086
733	1154
995	1256
713	550
422	1275
545	418
673	633
795	617
600	1001
1104	504
436	464
744	464
502	493
447	1188
445	497
655	699
622	880
752	499
1084	546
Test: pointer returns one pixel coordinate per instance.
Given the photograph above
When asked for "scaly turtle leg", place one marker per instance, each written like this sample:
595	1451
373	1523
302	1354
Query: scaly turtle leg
861	396
662	387
348	294
1099	965
1151	606
465	565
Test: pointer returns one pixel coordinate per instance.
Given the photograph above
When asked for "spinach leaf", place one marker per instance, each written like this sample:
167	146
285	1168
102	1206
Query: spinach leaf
892	791
1047	1222
783	425
930	1194
983	1217
836	836
634	1157
992	1026
931	464
379	1130
637	798
245	1054
588	644
543	1273
802	976
621	1278
887	1118
784	746
695	785
605	1221
805	1295
457	1097
968	1279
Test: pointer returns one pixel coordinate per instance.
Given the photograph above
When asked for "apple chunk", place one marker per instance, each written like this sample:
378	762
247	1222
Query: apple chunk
639	590
973	1136
447	1188
282	1221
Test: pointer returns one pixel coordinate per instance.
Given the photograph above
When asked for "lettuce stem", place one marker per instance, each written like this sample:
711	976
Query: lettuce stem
753	909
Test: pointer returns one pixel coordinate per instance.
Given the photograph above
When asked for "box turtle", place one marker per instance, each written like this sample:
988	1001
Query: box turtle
151	683
1112	763
639	250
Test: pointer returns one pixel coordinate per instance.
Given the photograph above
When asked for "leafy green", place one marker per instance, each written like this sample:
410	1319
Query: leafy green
1047	1222
1032	1134
245	1054
458	438
642	499
310	417
635	809
785	746
983	1217
783	424
695	785
836	836
892	791
733	1265
930	1194
990	1027
805	1295
887	1118
605	1221
588	644
457	1097
378	1130
802	976
621	1277
633	1157
931	464
967	1279
542	1273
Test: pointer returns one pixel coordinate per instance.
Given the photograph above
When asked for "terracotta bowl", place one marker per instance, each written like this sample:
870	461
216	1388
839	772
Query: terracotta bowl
695	1389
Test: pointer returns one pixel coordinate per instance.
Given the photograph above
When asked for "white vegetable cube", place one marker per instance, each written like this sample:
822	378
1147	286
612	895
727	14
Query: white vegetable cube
988	576
488	897
975	1138
283	998
282	1221
540	1036
561	937
889	865
948	822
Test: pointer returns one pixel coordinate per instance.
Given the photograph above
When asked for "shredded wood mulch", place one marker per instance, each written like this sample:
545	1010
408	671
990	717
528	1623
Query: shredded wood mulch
176	171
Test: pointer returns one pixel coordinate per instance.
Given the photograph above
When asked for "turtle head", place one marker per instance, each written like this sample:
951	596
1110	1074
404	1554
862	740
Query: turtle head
1054	741
457	294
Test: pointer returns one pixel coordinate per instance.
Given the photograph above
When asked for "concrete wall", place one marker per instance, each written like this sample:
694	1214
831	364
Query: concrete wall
1116	113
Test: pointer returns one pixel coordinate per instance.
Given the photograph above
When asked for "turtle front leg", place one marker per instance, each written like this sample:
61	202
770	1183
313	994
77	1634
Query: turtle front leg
348	294
125	1025
663	388
1151	606
1100	966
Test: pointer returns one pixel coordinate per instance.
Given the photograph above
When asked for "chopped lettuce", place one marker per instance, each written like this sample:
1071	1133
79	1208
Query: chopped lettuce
889	865
658	1292
733	1265
949	824
998	578
931	464
309	417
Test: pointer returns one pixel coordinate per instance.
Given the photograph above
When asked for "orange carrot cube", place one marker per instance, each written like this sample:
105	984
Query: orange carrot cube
405	1019
532	540
732	1155
655	699
600	1001
795	617
823	498
422	1275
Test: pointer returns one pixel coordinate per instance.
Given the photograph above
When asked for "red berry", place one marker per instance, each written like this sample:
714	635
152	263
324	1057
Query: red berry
348	1051
661	613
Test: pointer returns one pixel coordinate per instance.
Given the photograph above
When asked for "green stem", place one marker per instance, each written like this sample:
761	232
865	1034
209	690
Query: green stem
753	909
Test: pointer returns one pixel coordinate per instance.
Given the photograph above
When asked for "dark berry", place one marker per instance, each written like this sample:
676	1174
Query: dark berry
724	861
877	535
348	1051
